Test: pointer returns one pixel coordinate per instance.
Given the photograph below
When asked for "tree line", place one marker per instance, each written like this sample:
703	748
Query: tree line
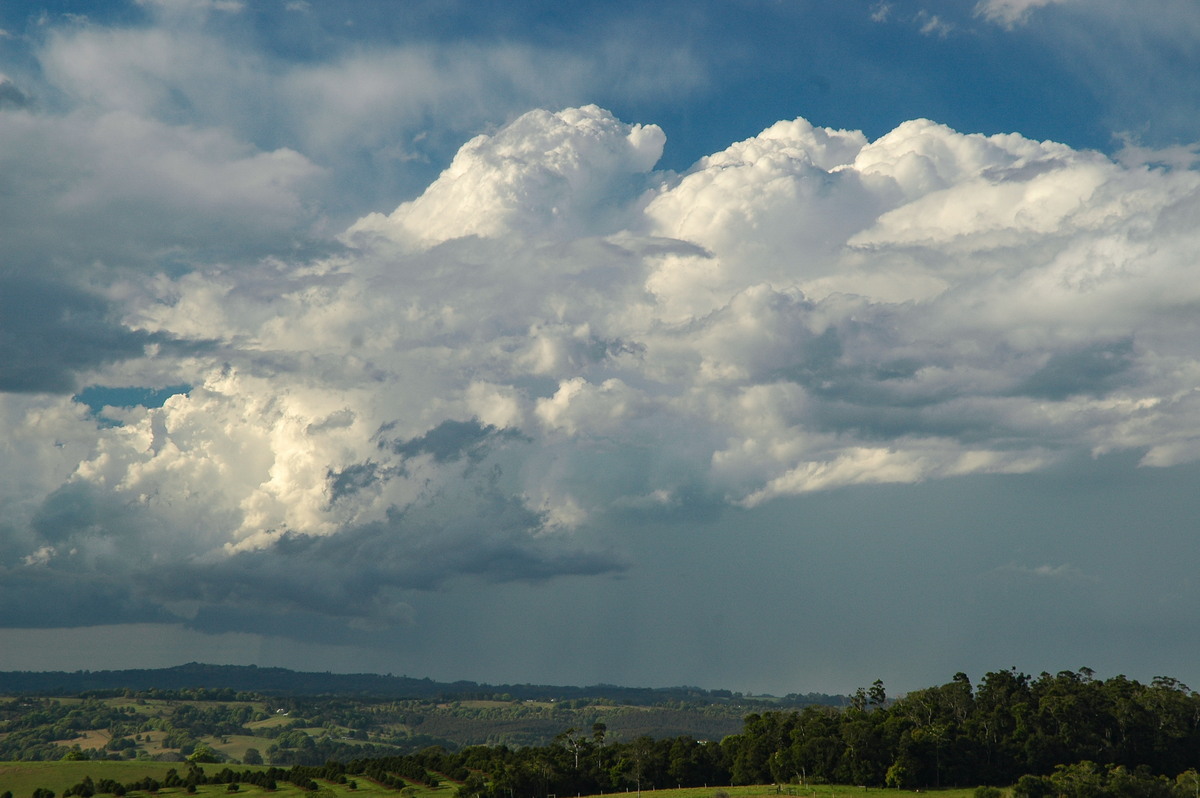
193	778
1008	726
206	682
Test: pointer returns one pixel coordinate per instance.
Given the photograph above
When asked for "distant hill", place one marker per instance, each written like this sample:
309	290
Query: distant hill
281	681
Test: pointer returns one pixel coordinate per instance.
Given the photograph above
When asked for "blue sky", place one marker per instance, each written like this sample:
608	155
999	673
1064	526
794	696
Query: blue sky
768	346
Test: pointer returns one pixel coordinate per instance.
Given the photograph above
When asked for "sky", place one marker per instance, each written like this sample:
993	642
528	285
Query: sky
766	345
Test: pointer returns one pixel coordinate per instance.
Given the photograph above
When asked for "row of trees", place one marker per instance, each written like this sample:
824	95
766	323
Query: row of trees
957	734
195	776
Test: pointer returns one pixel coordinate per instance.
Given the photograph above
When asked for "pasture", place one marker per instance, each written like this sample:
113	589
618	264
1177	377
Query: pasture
22	778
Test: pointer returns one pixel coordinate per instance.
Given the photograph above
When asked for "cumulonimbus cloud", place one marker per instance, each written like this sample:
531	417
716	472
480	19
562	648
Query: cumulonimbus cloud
554	338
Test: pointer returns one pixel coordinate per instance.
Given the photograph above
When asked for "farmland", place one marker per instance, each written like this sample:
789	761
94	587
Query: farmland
1066	735
21	779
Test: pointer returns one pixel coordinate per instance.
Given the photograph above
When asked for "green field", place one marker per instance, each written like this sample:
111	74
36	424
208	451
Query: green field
22	778
811	791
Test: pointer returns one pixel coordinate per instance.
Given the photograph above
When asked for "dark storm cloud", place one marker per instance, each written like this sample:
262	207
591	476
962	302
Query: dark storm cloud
423	548
873	385
332	588
50	332
1094	370
90	567
451	441
36	596
71	510
293	623
876	378
81	528
353	478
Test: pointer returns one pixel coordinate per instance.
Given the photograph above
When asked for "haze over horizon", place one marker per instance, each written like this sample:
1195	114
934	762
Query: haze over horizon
765	345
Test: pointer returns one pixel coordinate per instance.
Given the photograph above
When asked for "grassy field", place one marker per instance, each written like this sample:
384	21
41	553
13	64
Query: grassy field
22	778
811	791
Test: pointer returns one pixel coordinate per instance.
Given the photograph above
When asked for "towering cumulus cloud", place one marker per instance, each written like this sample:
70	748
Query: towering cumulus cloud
555	339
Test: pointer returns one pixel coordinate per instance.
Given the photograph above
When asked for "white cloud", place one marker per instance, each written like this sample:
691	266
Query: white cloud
1063	572
175	8
132	190
1010	13
553	335
364	112
934	25
545	174
1180	156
